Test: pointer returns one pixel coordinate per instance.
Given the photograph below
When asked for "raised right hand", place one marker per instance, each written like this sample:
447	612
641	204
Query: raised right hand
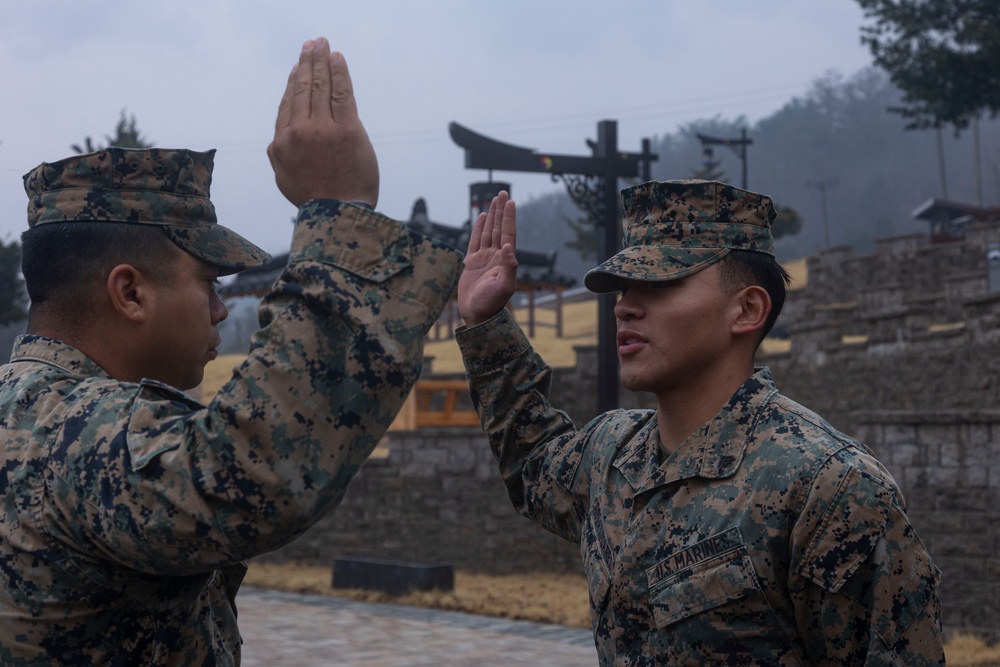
320	147
490	274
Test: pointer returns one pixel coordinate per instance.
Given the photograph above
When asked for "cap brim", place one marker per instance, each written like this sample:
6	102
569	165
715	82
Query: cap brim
219	246
650	263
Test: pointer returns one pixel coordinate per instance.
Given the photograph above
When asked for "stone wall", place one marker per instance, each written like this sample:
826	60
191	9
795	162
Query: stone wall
436	497
910	327
947	463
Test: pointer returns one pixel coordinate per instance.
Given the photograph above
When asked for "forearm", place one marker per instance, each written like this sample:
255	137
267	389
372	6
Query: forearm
539	450
340	348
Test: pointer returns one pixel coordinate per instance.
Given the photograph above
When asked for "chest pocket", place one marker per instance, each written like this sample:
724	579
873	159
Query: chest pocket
706	575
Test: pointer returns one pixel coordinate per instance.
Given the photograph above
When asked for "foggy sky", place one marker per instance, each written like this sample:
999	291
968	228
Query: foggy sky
540	74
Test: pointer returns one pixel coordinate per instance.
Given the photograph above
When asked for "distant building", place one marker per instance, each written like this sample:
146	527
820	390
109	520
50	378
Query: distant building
948	219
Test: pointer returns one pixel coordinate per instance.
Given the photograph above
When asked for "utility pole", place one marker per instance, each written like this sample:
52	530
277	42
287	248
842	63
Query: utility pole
592	184
941	166
739	146
822	186
977	162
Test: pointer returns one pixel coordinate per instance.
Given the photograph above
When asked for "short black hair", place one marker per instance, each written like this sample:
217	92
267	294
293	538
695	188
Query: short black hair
743	268
63	262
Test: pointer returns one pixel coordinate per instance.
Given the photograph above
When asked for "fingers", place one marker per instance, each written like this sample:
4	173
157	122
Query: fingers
302	86
497	227
475	240
341	97
310	89
486	238
508	225
285	106
497	207
319	98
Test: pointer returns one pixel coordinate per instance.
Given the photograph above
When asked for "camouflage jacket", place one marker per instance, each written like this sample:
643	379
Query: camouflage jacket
128	508
765	538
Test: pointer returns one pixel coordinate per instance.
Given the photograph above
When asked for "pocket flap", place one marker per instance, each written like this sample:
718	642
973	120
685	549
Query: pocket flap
853	523
151	427
710	573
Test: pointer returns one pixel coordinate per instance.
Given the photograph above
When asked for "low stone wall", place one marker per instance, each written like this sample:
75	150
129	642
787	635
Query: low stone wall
437	497
947	464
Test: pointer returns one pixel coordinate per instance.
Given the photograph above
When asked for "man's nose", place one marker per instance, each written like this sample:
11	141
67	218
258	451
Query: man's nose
219	310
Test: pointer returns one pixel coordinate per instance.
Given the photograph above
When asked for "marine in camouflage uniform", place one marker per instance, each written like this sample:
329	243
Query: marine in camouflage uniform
128	506
764	537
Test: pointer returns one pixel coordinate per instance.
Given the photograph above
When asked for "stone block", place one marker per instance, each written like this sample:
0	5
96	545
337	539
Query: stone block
957	499
963	453
980	435
941	523
965	546
943	477
900	455
895	435
976	523
431	455
936	434
462	457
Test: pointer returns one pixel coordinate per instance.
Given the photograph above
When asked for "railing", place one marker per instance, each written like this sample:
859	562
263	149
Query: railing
435	403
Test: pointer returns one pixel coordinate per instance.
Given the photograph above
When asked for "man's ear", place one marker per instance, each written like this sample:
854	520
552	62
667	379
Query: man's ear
128	291
754	305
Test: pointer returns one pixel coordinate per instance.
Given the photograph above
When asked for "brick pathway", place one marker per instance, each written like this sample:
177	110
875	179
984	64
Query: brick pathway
313	631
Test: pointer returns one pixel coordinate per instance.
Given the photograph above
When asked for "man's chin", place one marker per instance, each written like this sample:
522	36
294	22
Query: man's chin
632	383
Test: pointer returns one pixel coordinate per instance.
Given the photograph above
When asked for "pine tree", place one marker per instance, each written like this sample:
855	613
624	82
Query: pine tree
127	135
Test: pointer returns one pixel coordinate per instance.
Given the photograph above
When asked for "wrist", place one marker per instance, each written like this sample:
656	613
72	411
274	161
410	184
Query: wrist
476	320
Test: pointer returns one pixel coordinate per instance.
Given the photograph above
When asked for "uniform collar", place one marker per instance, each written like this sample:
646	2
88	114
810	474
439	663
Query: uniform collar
714	451
39	349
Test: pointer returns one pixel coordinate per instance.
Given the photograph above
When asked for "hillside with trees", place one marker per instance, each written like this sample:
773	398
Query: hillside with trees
840	137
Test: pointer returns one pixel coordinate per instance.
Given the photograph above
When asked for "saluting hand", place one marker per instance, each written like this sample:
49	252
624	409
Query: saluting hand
320	147
490	274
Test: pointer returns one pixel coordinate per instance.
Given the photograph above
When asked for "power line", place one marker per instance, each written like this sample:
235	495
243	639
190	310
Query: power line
535	124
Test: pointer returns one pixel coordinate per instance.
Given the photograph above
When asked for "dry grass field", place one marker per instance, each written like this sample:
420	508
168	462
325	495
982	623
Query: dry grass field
560	599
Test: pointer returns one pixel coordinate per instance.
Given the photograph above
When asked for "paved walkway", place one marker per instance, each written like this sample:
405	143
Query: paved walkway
288	630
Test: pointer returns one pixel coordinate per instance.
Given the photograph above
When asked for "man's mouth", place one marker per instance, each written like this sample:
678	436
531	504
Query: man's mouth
629	342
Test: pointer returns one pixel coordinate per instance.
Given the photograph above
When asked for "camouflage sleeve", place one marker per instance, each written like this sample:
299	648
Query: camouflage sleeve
539	450
863	584
340	347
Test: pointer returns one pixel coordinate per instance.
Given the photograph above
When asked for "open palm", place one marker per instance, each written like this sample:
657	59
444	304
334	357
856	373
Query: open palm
490	274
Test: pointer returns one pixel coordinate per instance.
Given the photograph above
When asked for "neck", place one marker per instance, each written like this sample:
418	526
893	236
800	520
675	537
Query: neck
42	323
682	409
97	339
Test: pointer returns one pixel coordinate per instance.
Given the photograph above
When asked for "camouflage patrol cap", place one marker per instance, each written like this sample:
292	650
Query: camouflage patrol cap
676	228
153	186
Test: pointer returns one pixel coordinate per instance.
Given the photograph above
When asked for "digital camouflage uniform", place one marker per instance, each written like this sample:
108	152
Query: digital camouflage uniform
129	507
765	538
